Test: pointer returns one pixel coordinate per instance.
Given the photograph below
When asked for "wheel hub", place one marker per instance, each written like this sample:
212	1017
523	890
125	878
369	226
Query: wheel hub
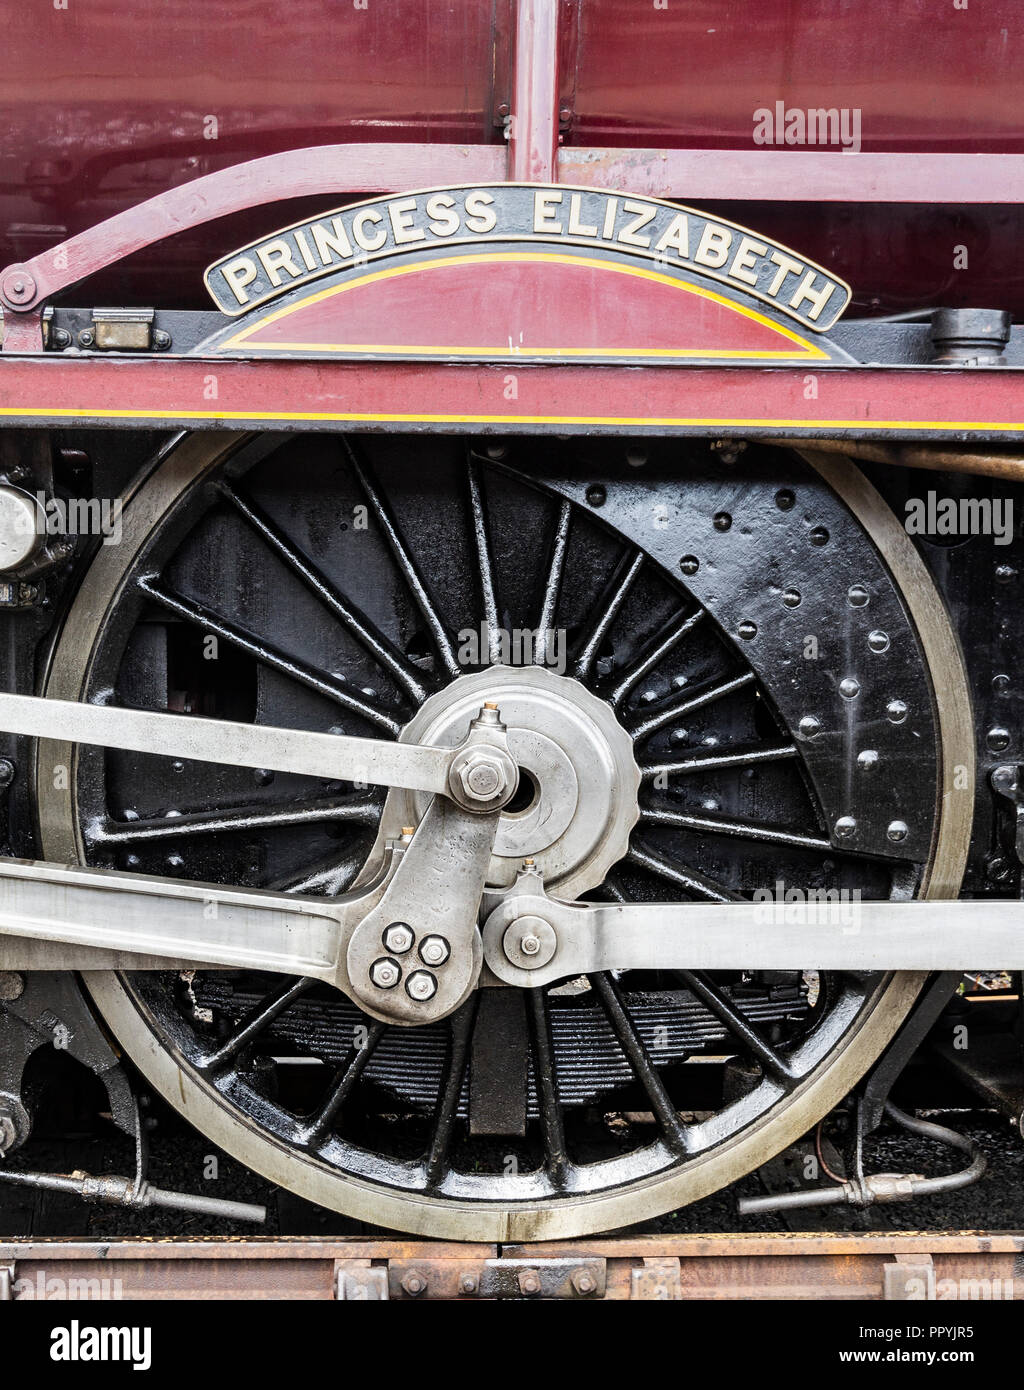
579	780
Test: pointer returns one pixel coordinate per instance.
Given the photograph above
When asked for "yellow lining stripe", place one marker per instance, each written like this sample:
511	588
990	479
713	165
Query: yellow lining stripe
413	417
808	350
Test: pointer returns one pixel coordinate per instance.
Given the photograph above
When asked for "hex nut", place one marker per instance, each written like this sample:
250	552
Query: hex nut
413	1283
385	973
421	986
398	938
434	950
529	1281
482	777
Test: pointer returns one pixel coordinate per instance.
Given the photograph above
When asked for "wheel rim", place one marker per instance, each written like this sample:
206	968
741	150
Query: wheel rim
646	1179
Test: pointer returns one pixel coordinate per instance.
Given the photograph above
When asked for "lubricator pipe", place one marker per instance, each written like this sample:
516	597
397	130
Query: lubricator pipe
881	1187
1009	467
123	1192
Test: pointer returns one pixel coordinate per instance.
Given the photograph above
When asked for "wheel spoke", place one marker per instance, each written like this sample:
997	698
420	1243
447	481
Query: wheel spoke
401	670
715	1001
714	762
485	565
359	811
270	1007
553	583
345	1078
621	586
639	1059
271	656
405	563
747	830
683	877
679	708
556	1159
636	672
461	1030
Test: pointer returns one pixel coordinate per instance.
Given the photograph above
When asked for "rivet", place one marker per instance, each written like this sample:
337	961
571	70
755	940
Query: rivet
784	499
896	711
819	536
809	726
596	495
1001	684
791	598
722	521
857	596
998	739
1005	574
897	831
689	564
845	827
878	640
747	630
868	758
849	688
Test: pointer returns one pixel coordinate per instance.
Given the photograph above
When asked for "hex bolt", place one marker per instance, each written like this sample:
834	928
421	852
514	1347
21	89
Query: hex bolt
385	973
421	986
398	938
413	1284
584	1282
530	945
434	950
529	1281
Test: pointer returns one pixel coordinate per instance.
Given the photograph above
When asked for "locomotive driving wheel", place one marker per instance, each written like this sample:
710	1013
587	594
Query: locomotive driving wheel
720	681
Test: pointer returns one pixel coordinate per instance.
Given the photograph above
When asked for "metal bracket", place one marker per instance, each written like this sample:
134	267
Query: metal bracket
658	1280
580	1277
909	1279
359	1281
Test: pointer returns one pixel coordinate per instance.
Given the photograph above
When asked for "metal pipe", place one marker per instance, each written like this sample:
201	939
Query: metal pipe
1008	467
881	1187
533	131
123	1192
927	1129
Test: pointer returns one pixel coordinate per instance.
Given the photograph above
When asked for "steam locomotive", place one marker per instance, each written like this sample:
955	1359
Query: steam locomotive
510	559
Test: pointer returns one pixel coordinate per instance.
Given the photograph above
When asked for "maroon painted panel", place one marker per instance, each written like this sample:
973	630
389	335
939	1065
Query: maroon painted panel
924	74
105	103
518	305
933	403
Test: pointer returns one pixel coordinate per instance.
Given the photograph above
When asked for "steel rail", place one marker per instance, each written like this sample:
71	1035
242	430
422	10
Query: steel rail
878	1265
